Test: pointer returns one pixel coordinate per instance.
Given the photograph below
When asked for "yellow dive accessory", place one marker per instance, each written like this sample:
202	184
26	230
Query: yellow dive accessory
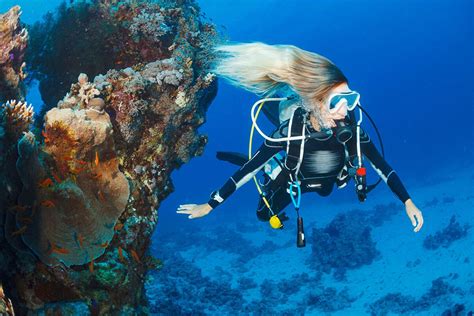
275	222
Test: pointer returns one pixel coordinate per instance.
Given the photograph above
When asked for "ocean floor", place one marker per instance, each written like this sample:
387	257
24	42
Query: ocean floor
360	259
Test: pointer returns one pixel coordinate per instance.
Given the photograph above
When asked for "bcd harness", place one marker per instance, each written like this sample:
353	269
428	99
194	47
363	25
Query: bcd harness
295	142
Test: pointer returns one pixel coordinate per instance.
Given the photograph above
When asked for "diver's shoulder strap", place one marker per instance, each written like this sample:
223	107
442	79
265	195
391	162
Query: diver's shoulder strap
295	128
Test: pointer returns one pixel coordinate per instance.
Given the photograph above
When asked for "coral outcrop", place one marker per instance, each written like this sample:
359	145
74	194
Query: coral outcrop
114	35
345	243
73	197
84	187
13	42
445	237
398	303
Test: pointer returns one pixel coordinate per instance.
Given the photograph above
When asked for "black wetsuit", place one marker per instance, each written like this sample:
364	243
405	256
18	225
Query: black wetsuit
322	163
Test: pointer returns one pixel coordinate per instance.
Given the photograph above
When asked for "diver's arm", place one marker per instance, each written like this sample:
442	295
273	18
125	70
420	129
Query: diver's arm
380	165
245	173
393	181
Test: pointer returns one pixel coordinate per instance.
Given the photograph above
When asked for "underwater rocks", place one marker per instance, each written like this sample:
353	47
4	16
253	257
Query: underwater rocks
84	188
125	34
13	43
181	289
457	310
399	303
73	190
444	238
345	243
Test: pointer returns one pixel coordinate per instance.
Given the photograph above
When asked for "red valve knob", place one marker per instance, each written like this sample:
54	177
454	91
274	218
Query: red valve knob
361	172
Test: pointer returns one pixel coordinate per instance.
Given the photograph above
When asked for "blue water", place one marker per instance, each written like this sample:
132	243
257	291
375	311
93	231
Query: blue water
412	62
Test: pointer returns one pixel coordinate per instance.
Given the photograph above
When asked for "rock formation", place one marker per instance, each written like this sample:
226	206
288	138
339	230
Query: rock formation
84	187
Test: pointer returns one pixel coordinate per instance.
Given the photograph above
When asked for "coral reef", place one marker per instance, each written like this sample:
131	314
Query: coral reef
13	42
114	35
329	299
16	117
150	25
180	288
398	303
77	194
6	306
83	188
457	310
444	238
175	290
345	243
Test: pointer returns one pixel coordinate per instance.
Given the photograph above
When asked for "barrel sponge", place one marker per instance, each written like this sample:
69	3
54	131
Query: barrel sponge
72	187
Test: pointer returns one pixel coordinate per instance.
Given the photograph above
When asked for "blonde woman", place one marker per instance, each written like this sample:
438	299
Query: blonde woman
323	105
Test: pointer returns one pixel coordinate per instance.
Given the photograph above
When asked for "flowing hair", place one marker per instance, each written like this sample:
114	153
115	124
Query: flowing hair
267	69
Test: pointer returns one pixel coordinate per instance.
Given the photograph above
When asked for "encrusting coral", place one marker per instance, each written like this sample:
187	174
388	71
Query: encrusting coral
13	42
73	197
81	93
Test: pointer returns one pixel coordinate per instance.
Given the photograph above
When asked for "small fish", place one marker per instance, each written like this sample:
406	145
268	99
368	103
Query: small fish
20	231
91	266
96	161
82	162
120	254
135	255
104	245
56	177
52	248
68	158
48	203
59	250
46	139
118	226
46	183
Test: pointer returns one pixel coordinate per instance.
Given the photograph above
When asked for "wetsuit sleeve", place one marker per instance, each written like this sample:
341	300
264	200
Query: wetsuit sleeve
380	165
245	173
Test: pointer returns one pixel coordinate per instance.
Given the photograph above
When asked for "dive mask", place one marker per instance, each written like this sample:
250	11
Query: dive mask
349	99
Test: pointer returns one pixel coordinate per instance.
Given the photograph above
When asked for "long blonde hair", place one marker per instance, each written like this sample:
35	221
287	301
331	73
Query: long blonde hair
267	69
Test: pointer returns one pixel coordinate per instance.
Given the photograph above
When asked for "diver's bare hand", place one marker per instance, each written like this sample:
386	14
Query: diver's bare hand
412	212
194	210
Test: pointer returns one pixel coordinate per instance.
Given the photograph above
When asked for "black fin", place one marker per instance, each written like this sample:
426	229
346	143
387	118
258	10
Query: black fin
232	157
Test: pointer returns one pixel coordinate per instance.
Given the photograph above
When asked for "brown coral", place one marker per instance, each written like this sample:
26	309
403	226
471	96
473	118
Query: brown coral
13	41
80	95
17	117
6	307
73	216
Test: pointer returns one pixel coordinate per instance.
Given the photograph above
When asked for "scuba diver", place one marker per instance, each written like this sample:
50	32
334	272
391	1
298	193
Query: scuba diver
318	141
